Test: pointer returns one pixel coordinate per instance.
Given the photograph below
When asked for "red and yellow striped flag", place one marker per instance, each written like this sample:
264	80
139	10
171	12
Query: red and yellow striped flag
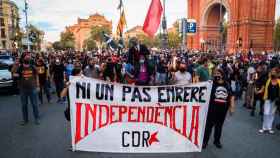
121	25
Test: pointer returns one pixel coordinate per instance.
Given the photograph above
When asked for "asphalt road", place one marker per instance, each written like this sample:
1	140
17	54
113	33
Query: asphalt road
51	139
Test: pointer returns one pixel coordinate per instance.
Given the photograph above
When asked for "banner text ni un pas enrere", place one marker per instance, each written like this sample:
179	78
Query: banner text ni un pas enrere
110	117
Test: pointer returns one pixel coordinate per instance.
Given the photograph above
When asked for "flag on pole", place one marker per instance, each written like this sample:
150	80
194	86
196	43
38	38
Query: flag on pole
153	18
120	5
121	24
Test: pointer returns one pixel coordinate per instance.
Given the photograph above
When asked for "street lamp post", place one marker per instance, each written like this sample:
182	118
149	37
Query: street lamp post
26	25
221	26
164	27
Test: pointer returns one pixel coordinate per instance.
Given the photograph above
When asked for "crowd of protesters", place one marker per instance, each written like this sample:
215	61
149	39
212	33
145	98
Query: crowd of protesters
256	78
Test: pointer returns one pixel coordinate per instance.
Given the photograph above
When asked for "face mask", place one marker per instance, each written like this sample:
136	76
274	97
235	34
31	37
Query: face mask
142	61
273	76
182	69
217	78
26	61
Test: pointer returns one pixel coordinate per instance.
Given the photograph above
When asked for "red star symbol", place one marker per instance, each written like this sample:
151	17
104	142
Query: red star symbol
153	138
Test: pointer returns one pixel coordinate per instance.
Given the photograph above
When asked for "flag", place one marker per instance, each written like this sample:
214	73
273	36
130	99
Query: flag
153	18
120	5
122	24
110	42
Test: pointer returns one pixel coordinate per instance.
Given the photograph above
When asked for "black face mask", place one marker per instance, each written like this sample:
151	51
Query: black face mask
182	70
26	61
273	76
217	78
91	65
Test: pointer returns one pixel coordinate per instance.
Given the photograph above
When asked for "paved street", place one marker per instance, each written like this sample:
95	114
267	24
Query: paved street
51	139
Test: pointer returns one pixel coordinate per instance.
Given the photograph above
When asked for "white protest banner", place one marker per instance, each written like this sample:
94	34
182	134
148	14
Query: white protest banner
110	117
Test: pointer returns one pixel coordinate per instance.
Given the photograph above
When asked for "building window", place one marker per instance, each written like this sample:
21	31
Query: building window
3	33
4	44
2	22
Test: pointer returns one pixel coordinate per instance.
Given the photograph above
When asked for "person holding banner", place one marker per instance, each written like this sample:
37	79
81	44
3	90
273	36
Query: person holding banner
221	101
77	71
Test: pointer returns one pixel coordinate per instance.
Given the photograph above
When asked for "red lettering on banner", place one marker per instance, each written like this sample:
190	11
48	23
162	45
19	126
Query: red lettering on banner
98	116
93	115
103	124
112	114
130	113
195	124
168	111
184	132
78	136
150	114
122	111
174	119
157	115
141	114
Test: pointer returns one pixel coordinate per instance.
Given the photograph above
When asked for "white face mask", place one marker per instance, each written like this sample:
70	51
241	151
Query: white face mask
142	61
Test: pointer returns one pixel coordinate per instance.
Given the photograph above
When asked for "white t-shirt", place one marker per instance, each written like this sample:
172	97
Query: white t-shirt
183	78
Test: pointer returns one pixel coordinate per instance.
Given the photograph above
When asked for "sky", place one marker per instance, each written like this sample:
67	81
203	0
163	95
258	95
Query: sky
52	16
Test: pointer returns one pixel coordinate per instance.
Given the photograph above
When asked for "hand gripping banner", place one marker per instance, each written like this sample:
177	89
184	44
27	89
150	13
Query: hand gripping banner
110	117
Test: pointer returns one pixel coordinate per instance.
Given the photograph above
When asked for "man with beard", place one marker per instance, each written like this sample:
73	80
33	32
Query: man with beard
91	70
28	85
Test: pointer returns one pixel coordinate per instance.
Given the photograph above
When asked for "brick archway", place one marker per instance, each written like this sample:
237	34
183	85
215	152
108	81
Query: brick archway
252	22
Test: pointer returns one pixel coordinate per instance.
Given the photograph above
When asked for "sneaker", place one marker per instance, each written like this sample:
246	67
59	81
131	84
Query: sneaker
271	131
24	123
261	131
37	122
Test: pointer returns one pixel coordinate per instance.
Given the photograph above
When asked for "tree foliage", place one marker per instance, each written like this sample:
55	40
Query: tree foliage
97	32
174	40
96	37
89	45
67	40
276	35
57	45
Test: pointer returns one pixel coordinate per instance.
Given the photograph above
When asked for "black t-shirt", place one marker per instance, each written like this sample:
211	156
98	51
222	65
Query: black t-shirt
27	78
161	68
58	72
273	92
220	95
260	82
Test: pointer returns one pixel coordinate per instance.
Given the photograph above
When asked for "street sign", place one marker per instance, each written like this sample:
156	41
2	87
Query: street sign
191	26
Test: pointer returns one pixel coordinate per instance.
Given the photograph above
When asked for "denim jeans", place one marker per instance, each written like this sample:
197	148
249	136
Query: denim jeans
45	88
161	78
269	114
32	95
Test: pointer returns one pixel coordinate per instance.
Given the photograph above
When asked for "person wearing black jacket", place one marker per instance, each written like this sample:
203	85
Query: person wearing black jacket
57	73
221	101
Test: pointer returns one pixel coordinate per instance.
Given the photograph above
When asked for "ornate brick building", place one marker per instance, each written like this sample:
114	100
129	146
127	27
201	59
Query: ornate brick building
250	23
134	32
82	29
9	24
